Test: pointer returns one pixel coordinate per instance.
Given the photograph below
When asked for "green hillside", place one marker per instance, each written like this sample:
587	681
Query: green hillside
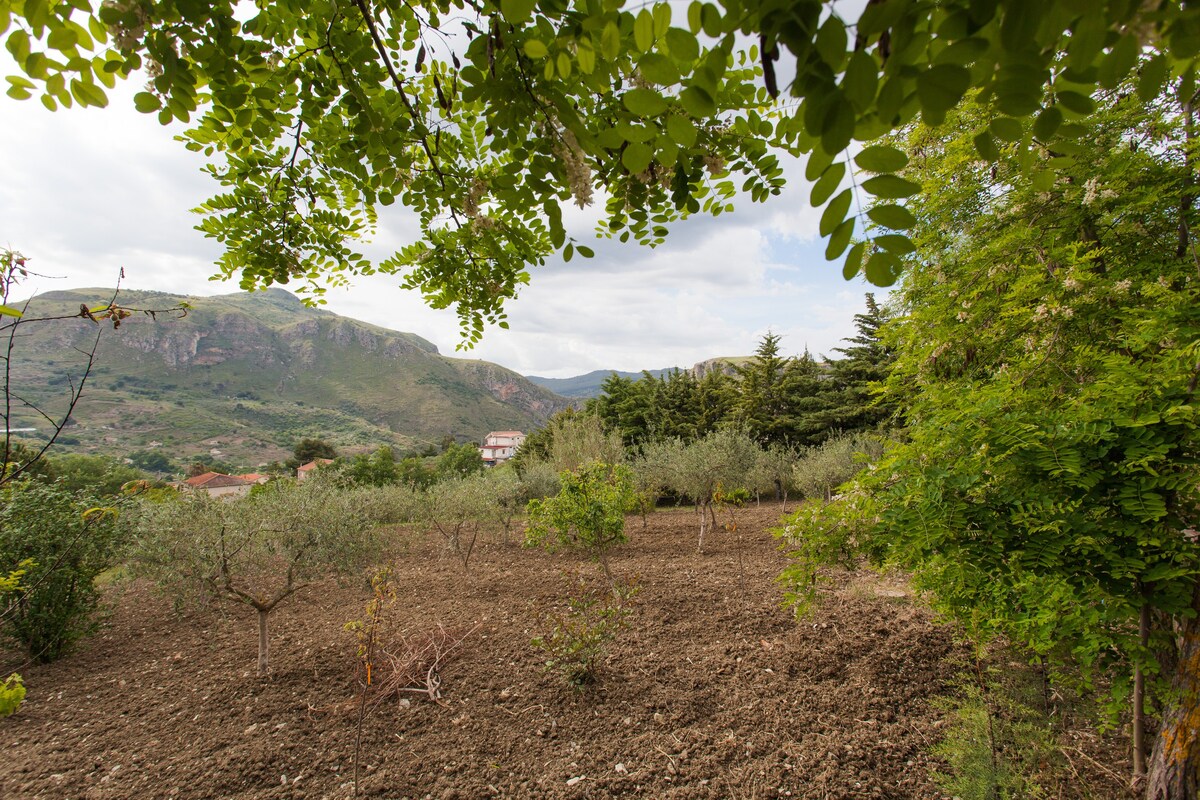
249	374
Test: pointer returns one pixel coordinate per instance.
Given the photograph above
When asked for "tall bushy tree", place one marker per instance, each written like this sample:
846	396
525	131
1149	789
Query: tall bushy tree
1047	362
764	406
849	399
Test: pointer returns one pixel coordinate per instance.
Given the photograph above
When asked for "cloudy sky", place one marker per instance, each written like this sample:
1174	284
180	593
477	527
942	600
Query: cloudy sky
88	191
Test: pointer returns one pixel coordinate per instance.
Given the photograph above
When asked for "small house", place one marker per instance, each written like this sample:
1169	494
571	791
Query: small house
500	446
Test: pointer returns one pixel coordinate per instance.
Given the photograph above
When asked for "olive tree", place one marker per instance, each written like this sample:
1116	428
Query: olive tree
256	551
722	460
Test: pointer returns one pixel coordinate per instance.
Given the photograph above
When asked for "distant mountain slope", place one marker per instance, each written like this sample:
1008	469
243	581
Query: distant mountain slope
584	386
249	374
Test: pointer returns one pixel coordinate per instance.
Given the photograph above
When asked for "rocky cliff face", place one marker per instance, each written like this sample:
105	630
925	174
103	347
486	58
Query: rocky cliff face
713	365
514	390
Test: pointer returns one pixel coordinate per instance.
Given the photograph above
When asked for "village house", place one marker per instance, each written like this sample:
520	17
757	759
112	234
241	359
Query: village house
500	446
216	484
303	471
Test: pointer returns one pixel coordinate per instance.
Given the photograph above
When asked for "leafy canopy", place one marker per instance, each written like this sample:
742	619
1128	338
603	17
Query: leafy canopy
485	117
1047	368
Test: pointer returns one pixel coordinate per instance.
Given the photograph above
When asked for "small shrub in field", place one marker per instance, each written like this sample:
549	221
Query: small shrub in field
588	512
456	508
62	545
12	694
579	634
995	746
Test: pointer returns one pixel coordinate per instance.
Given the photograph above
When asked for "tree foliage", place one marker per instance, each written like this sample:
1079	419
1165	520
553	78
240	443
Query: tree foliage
720	462
55	543
1047	367
588	513
485	117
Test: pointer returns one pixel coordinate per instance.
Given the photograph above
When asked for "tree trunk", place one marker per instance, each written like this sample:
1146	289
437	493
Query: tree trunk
1139	700
1174	772
262	641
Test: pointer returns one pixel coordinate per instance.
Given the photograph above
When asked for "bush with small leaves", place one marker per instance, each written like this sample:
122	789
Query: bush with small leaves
588	512
580	633
62	543
823	468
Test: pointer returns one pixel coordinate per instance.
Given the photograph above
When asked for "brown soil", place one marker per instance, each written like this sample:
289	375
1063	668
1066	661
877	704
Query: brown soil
712	691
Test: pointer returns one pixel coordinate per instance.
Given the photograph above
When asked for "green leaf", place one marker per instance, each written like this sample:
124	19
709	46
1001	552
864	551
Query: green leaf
563	64
890	187
695	16
940	88
1007	129
682	130
586	57
1042	180
881	158
535	48
146	102
643	31
1119	61
985	145
896	243
1079	103
835	212
838	126
898	218
682	45
9	311
637	157
644	102
854	260
658	69
517	12
610	41
861	81
697	102
827	185
1047	123
17	45
839	240
1154	74
831	42
568	253
88	94
883	268
586	252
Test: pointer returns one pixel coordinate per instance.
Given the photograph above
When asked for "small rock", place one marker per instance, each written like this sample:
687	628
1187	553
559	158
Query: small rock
621	769
252	728
575	780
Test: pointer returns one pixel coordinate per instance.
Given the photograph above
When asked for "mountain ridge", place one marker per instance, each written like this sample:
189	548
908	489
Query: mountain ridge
248	374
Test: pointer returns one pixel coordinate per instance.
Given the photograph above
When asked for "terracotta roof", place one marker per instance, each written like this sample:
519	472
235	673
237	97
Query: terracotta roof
314	464
506	433
253	477
215	480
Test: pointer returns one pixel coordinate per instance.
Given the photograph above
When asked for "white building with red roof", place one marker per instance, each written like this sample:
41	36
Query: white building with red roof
500	446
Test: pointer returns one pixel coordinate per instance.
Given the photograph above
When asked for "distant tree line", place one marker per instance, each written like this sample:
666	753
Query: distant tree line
776	400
